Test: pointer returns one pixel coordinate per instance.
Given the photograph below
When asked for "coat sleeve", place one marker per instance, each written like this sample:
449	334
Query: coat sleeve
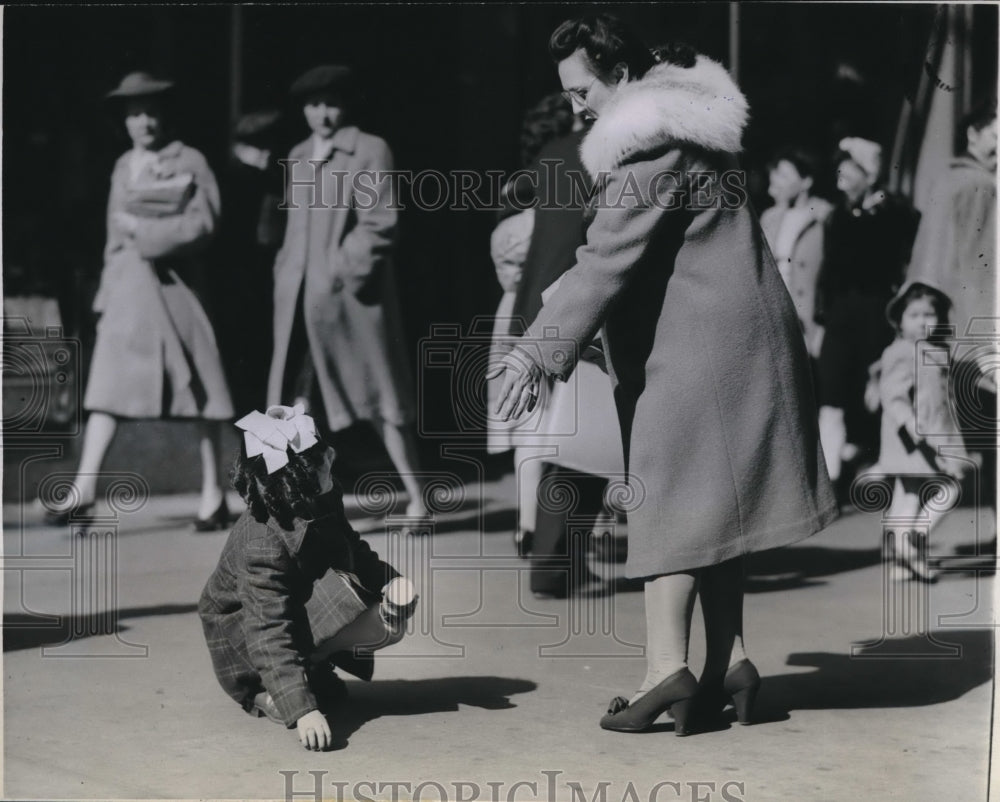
266	592
189	231
896	385
115	204
369	243
617	238
369	568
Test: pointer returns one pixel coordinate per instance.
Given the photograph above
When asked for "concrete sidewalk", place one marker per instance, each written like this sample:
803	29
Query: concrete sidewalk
493	686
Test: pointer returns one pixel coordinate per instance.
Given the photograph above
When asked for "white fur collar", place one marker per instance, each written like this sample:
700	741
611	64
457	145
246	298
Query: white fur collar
699	105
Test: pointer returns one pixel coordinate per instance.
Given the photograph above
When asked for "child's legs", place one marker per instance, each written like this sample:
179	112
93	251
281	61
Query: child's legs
369	631
340	620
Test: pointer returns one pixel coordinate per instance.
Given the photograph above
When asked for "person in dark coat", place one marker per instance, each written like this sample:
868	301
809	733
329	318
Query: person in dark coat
155	355
296	590
710	371
559	225
249	237
866	245
338	332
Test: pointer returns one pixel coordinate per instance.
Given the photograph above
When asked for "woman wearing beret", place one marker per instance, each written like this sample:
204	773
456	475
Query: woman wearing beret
337	327
155	355
710	371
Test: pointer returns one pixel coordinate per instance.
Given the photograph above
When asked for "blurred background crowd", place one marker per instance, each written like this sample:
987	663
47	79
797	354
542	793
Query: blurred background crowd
866	124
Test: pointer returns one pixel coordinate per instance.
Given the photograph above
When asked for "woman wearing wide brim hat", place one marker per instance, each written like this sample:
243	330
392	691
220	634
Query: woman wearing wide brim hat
139	84
338	335
155	354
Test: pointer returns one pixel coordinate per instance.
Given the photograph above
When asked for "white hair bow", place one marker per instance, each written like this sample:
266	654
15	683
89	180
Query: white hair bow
271	434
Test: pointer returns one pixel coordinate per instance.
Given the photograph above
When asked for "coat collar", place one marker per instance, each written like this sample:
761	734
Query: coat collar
700	106
330	509
966	161
345	139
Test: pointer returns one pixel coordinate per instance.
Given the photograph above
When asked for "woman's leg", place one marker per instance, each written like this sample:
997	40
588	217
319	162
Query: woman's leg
669	606
210	434
528	469
833	438
97	437
721	594
903	510
402	447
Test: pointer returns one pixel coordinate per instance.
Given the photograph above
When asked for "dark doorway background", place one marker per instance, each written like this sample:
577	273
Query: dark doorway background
445	85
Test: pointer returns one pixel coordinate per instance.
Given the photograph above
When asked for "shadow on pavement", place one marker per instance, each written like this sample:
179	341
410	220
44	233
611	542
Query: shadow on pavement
803	566
846	682
369	701
23	631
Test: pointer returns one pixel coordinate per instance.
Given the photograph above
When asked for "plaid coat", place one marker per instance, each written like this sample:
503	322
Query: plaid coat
276	593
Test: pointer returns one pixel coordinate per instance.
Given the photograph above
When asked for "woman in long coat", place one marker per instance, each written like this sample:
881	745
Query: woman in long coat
155	355
710	371
337	327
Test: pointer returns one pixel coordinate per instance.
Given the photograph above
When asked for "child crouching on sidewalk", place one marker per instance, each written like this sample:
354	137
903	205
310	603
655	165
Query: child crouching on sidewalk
296	590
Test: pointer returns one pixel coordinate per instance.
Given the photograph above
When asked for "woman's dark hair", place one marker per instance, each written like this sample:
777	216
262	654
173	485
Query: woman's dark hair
802	160
550	118
917	291
977	118
285	494
606	41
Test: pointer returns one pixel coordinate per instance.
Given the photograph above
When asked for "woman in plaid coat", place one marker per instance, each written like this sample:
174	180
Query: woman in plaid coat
296	590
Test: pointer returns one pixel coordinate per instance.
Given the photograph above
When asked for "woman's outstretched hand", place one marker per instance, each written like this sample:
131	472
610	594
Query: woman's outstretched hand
314	731
522	377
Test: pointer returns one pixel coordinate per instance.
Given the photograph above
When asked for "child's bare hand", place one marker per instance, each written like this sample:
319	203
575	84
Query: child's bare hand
314	732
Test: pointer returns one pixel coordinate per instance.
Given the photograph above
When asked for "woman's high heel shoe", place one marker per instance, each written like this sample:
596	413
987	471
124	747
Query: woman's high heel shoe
524	541
741	684
217	520
63	517
676	693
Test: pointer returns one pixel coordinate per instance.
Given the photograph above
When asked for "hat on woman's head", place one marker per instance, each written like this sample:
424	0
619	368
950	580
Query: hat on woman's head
325	78
864	153
139	84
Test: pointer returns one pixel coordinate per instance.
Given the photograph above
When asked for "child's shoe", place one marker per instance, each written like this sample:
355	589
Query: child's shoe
264	705
399	600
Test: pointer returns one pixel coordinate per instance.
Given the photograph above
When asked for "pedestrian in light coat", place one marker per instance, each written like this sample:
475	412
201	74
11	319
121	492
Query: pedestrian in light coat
337	330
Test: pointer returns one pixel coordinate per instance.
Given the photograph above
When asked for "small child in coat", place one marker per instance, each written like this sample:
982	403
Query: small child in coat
917	419
296	589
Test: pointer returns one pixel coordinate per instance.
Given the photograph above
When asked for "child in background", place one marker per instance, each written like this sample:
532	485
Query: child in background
917	417
296	590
